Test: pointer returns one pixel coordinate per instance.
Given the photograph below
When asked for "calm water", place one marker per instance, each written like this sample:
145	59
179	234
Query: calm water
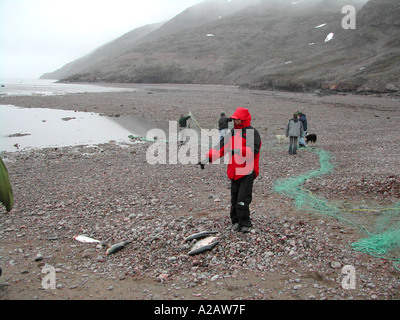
22	128
38	87
26	128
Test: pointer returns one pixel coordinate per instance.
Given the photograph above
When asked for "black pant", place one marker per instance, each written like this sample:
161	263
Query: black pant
241	196
293	145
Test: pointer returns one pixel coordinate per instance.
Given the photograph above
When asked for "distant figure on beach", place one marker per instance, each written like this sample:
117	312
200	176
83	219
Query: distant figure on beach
182	126
223	125
294	130
303	119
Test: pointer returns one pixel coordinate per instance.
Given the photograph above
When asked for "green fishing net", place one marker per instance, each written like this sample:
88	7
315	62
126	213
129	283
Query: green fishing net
381	225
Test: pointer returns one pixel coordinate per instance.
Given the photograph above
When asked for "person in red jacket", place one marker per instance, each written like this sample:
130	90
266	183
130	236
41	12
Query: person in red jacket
243	145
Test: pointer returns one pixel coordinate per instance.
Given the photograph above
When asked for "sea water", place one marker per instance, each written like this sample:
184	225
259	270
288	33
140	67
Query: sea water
41	87
27	128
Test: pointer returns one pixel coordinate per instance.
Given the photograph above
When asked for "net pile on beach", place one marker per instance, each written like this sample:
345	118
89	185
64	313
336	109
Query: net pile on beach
381	225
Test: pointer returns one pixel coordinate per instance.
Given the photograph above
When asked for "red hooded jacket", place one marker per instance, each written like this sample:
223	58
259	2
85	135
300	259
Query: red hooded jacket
243	144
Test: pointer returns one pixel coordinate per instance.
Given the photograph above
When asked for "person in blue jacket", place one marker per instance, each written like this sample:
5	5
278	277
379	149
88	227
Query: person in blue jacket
303	119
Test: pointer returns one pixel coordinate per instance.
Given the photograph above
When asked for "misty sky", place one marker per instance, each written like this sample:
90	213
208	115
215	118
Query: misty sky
38	36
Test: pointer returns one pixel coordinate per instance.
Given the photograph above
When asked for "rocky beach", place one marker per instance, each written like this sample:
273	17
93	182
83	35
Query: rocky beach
111	193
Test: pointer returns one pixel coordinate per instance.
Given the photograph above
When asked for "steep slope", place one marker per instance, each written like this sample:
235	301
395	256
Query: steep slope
266	44
116	55
106	51
362	60
376	44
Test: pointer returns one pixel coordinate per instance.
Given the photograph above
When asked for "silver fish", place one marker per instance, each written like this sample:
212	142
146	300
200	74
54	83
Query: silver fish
116	247
85	239
200	235
203	245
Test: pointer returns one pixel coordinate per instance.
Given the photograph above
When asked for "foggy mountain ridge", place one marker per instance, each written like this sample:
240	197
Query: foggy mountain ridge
258	44
97	55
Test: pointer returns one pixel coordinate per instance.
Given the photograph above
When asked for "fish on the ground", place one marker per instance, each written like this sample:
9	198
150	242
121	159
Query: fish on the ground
203	245
116	247
85	239
200	235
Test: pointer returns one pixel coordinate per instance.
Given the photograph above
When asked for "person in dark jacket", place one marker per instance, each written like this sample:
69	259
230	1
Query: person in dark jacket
223	124
294	130
303	119
243	145
182	126
183	121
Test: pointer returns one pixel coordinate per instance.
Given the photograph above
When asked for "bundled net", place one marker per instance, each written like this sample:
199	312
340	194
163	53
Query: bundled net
385	238
382	226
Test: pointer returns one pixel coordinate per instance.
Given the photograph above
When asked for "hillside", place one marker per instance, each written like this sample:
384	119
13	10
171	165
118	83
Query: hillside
110	49
258	44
